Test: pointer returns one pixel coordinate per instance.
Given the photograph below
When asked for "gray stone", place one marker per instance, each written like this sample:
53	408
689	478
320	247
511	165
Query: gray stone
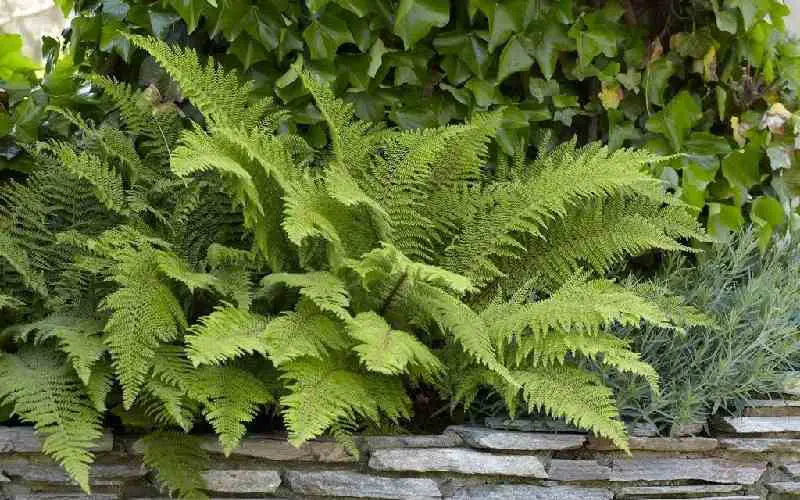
526	492
446	440
673	469
772	408
793	469
275	448
688	429
578	470
737	497
479	437
758	425
64	496
25	440
242	481
525	425
686	444
784	488
761	445
463	461
674	491
50	472
353	484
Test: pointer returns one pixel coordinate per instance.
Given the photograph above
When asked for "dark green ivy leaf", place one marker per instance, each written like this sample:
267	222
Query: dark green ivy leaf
514	58
325	35
415	18
676	119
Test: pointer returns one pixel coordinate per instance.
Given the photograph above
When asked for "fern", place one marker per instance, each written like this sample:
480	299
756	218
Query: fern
179	462
47	393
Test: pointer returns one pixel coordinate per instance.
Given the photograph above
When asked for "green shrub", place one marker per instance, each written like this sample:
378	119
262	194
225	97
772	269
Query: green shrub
695	77
752	302
323	282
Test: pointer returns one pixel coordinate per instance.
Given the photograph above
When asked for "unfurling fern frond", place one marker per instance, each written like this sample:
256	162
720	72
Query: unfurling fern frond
178	461
46	392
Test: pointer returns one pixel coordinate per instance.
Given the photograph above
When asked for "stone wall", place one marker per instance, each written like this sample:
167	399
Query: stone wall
756	456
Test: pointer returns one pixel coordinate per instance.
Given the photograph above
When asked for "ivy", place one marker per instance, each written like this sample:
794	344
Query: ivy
698	74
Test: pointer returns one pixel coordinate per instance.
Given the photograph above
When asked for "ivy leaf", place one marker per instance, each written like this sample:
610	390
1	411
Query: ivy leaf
767	213
248	51
546	43
190	11
65	6
376	53
415	18
741	169
724	220
325	35
656	79
485	93
676	119
748	8
513	59
540	88
502	24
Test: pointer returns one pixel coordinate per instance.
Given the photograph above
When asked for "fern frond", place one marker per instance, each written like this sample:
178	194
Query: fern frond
231	397
303	333
577	396
8	302
178	269
225	334
323	289
99	384
131	103
46	392
77	337
178	461
385	350
144	313
105	182
327	392
218	94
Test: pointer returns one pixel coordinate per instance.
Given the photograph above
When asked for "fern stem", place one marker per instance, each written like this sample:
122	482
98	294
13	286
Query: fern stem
393	293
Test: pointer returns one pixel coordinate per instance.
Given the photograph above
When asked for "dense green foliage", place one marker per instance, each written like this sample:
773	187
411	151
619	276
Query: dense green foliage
169	275
753	335
680	76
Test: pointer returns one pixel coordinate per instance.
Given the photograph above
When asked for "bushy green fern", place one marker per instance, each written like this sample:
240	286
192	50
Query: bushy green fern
394	241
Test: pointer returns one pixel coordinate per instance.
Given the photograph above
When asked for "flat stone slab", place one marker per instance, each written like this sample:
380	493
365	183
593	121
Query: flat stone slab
275	448
759	425
578	470
463	461
642	430
525	492
489	439
674	491
711	470
353	484
25	440
686	444
793	469
530	425
772	408
761	445
242	481
446	440
99	474
784	487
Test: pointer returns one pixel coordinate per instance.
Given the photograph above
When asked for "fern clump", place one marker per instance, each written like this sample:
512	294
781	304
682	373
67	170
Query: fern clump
393	243
170	274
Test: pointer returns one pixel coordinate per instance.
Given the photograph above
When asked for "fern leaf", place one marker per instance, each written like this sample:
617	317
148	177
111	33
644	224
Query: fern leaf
323	289
99	384
385	350
45	392
577	396
225	334
218	94
178	461
105	182
77	337
178	269
144	313
8	302
325	393
231	398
